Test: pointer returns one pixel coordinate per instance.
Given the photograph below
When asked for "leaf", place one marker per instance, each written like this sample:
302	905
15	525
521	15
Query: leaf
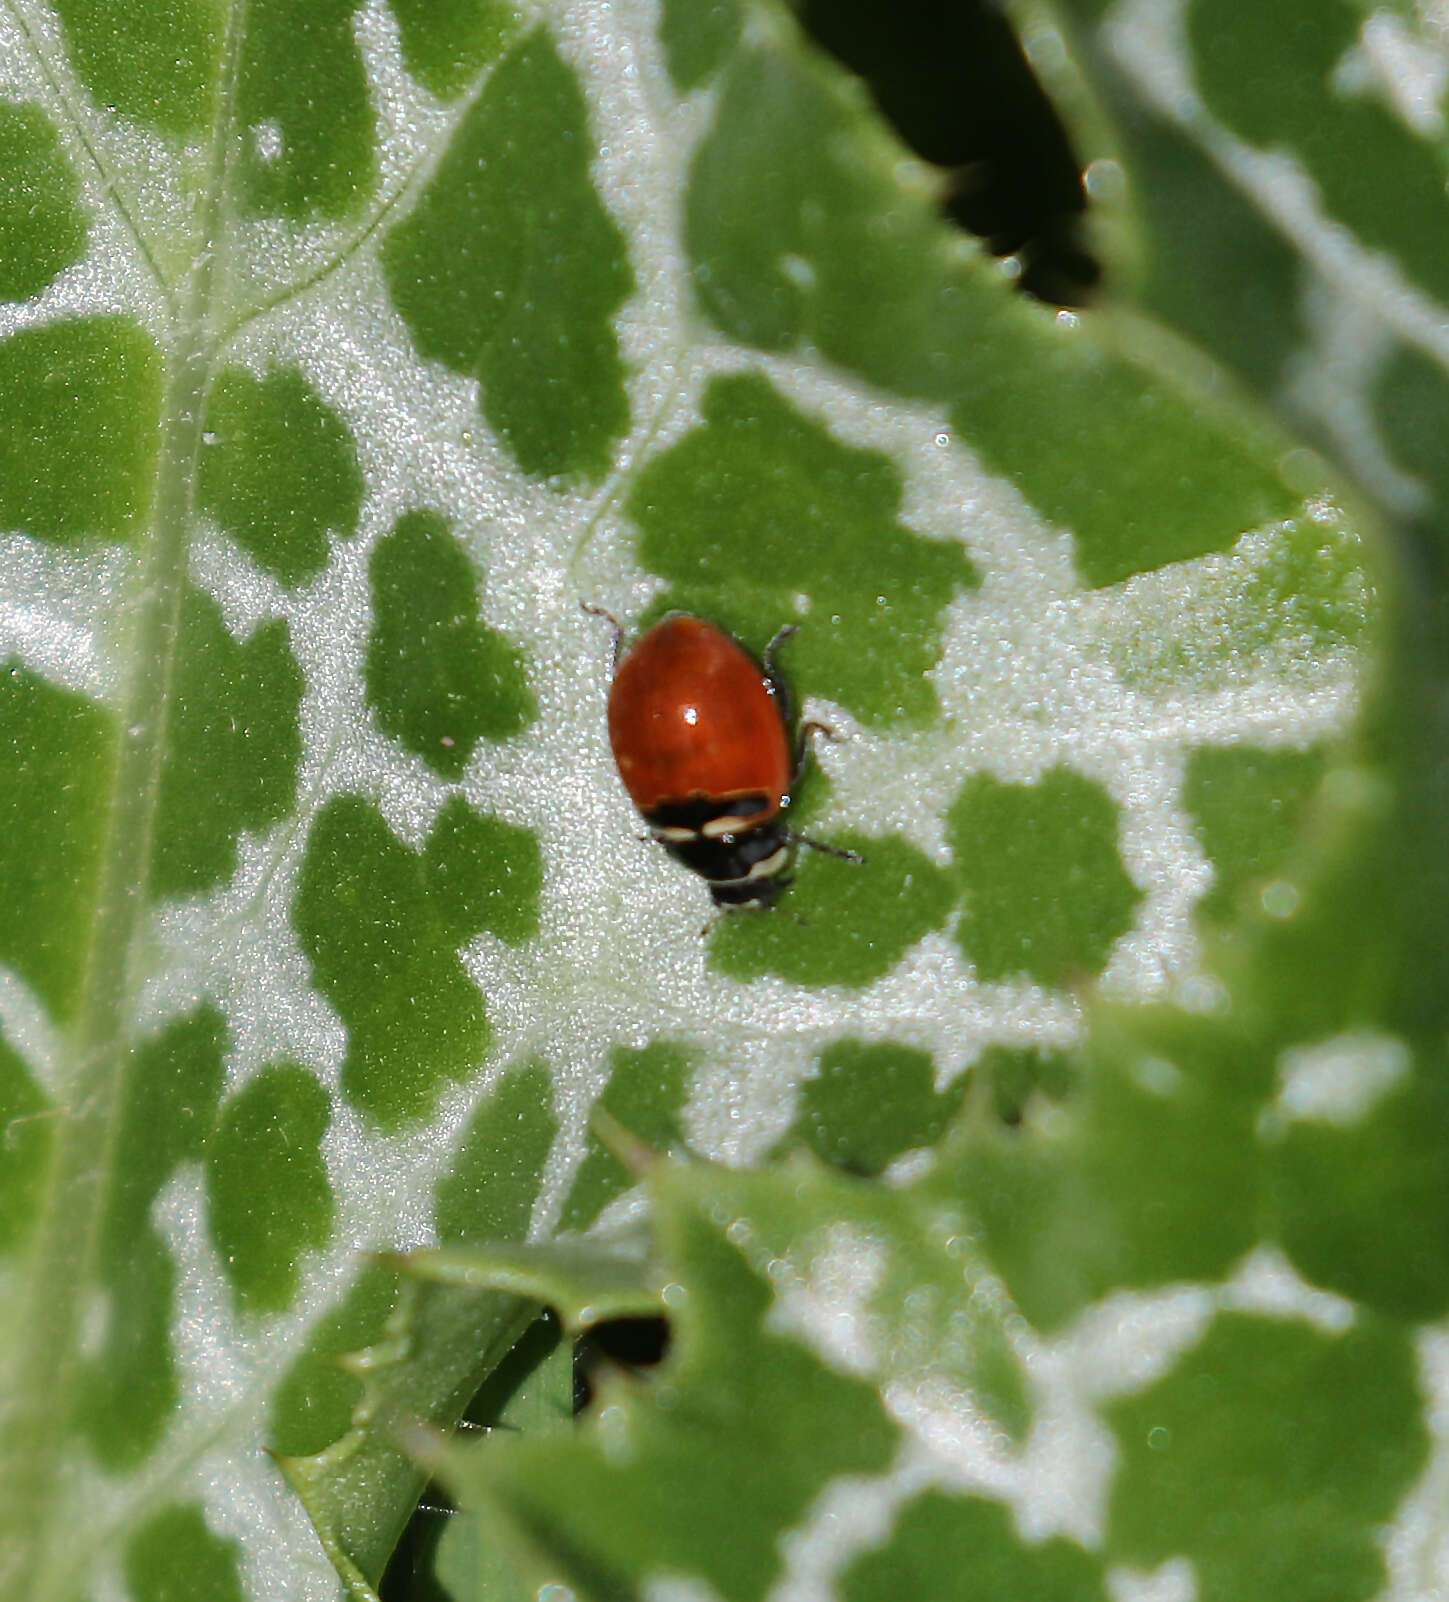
344	353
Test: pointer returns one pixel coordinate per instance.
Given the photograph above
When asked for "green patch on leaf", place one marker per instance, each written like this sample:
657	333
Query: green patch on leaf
27	1121
1015	1077
1411	401
383	948
1248	806
310	145
168	1113
1345	1187
267	1185
1271	1456
867	1104
42	225
967	1547
484	873
527	306
488	1192
645	1093
741	1418
79	406
1046	892
153	64
57	754
233	746
174	1557
803	232
1274	74
438	680
1152	1174
816	517
446	43
313	1405
843	923
698	36
279	471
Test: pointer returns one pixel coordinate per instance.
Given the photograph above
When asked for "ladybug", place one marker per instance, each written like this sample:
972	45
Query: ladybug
701	735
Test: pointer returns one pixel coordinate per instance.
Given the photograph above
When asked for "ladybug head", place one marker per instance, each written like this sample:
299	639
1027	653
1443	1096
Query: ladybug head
742	869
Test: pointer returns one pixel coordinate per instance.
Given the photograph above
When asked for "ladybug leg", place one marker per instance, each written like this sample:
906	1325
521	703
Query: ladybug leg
598	611
776	641
778	687
802	749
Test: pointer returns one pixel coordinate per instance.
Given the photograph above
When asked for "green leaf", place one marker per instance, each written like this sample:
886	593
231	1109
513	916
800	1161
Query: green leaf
27	1120
57	751
166	1119
527	304
77	428
1046	892
314	1403
795	228
1248	808
344	352
42	226
697	36
1168	1112
302	94
964	1545
488	1191
1280	1493
581	1282
644	1095
235	745
624	1499
279	472
383	952
869	1104
437	678
267	1185
484	873
446	42
175	1557
156	65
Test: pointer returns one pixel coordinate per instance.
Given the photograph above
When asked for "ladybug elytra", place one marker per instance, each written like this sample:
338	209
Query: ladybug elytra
701	735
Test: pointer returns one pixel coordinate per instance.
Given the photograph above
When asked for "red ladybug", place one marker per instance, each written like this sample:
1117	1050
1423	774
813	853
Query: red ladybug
700	732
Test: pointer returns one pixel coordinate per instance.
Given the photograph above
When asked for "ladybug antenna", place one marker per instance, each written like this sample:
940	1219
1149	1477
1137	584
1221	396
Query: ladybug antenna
820	845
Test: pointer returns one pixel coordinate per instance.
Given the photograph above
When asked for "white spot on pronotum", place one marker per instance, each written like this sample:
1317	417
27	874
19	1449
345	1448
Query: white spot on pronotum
1409	73
268	141
1338	1081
